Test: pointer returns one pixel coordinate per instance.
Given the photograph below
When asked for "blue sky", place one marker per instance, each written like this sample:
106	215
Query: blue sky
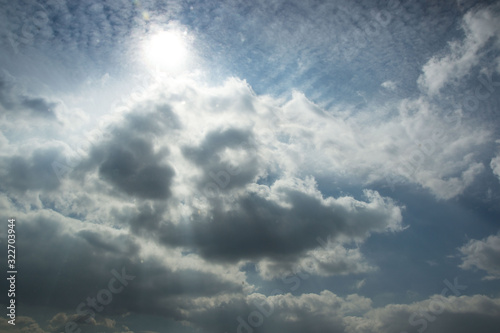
231	166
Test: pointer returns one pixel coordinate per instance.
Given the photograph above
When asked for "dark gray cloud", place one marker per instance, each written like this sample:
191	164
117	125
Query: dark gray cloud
126	157
250	228
81	263
35	172
39	106
23	324
134	169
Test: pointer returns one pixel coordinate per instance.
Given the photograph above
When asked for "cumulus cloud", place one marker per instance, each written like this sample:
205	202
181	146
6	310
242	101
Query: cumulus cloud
224	164
127	158
483	254
230	176
327	261
149	152
436	314
86	255
320	312
315	312
353	313
248	229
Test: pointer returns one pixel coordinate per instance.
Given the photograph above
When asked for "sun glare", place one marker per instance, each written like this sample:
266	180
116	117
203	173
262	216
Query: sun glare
166	51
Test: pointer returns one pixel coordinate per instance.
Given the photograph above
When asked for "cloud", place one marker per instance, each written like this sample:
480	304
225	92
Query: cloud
127	158
389	85
454	186
359	284
247	229
480	26
155	150
484	255
209	156
324	311
85	255
436	314
330	260
209	171
34	172
495	166
14	103
353	313
223	164
61	319
70	31
315	312
24	324
189	186
438	157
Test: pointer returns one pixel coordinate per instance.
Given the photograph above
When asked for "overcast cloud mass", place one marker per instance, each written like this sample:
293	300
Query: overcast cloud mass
251	166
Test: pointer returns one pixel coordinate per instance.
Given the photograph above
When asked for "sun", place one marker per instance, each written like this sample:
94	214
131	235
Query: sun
166	51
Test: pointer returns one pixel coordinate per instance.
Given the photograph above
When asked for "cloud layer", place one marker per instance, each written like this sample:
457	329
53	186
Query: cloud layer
332	157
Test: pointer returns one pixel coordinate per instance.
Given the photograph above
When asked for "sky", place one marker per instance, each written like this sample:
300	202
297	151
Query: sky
251	166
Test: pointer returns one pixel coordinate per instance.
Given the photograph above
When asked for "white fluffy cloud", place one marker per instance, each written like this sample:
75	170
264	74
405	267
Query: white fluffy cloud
479	26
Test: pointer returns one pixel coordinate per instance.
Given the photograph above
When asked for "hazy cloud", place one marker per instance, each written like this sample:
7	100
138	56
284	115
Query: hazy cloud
483	254
14	103
480	25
